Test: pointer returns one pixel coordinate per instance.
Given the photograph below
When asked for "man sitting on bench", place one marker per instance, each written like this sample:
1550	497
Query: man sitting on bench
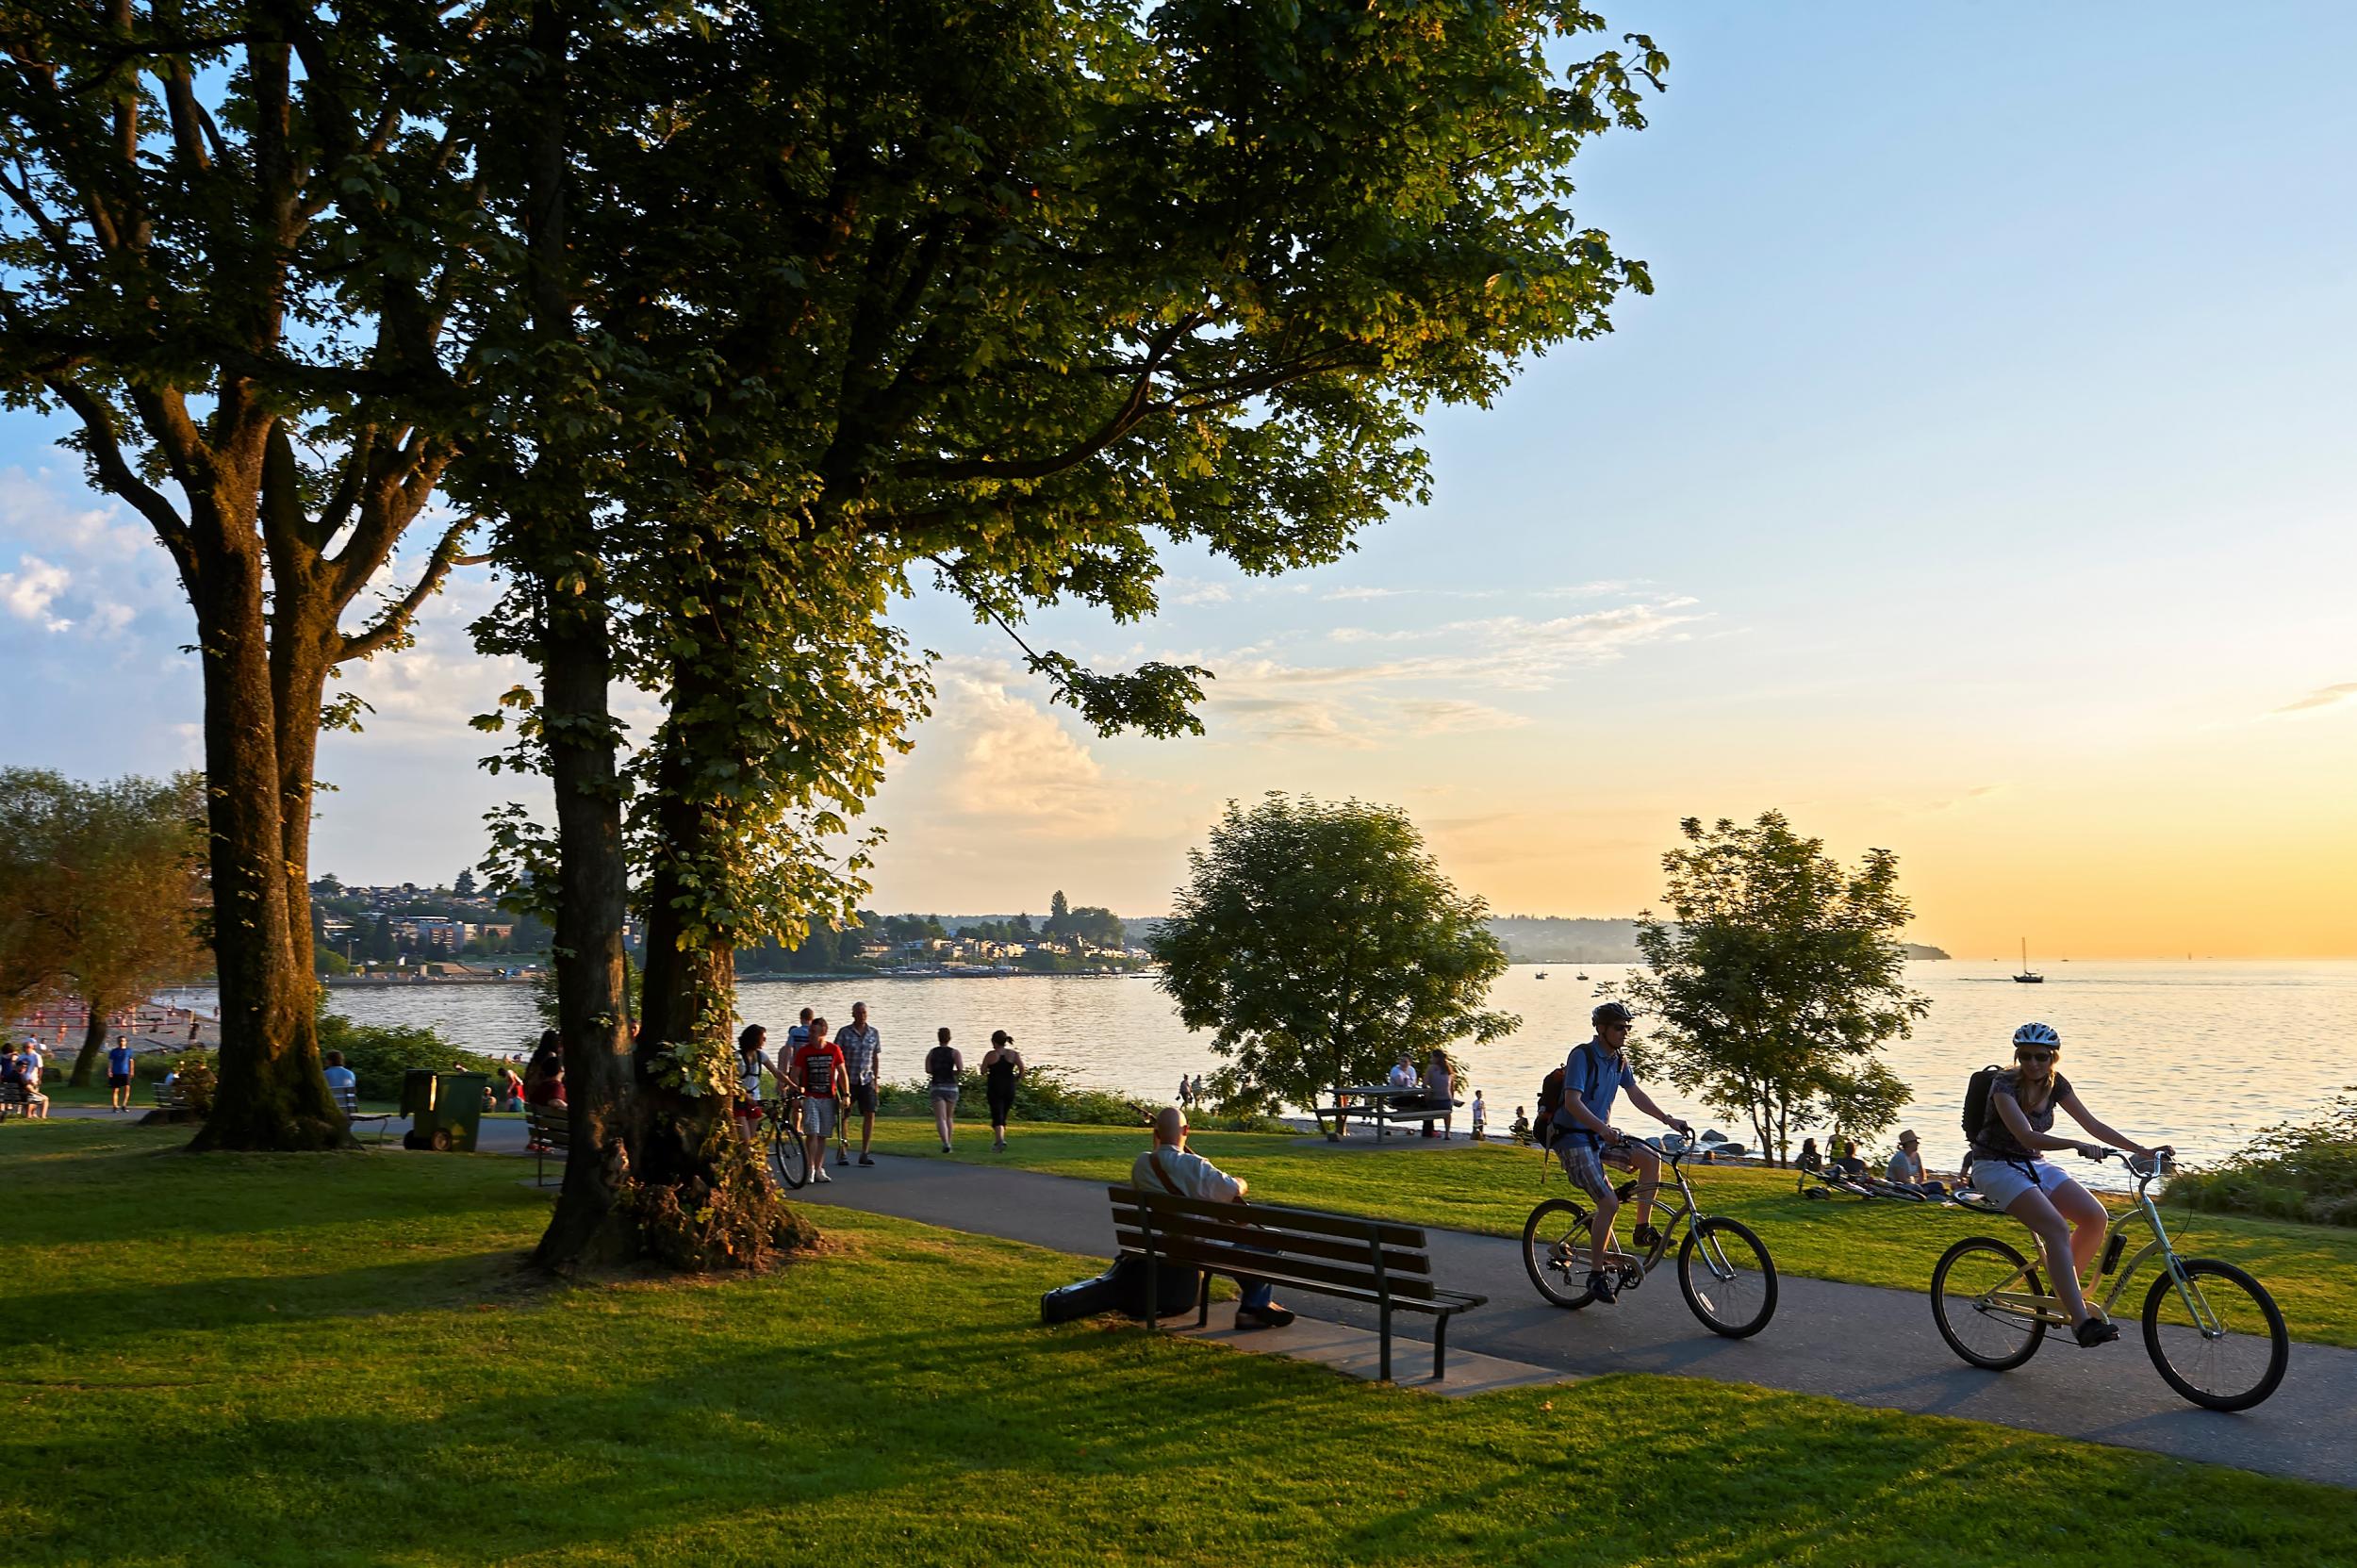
1167	1167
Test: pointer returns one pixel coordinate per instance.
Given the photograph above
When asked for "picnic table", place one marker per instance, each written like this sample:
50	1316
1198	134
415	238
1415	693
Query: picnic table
1379	1103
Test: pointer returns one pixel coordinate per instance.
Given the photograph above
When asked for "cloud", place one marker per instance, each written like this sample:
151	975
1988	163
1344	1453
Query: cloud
1448	716
2323	697
1504	651
27	592
1183	590
1603	587
1016	767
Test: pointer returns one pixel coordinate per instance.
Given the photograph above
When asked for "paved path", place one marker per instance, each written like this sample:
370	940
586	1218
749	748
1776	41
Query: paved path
1856	1343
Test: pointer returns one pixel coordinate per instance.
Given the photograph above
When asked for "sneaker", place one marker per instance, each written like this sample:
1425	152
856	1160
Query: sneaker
867	1160
841	1158
1600	1286
1646	1236
820	1175
2095	1331
945	1148
1270	1316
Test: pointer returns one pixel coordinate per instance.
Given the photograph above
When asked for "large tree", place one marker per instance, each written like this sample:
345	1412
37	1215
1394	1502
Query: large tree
102	891
236	253
1318	940
1000	298
1776	976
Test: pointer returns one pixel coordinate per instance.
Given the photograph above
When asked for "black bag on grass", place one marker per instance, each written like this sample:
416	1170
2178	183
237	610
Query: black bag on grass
1081	1298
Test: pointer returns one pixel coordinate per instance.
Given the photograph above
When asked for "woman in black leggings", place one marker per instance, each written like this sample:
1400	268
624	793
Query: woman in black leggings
1002	1065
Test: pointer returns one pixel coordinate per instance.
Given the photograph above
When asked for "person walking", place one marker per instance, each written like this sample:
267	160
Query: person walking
818	1069
863	1065
1002	1065
1186	1091
119	1069
941	1066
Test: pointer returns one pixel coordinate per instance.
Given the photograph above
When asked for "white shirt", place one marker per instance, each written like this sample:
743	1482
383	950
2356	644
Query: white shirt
1402	1075
1905	1167
1192	1173
1481	1112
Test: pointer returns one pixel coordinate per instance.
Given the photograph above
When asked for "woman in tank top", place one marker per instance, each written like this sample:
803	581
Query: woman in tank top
2067	1220
1002	1065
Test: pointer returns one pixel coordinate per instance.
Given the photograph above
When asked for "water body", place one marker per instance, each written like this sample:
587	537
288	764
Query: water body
2200	1055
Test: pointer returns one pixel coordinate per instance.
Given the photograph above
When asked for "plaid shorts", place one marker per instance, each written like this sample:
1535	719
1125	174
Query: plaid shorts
1584	1164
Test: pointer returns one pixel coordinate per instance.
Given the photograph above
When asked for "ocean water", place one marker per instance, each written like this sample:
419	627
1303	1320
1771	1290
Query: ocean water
2199	1055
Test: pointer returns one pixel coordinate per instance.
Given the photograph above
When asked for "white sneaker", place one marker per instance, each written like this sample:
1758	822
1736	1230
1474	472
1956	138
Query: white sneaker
820	1175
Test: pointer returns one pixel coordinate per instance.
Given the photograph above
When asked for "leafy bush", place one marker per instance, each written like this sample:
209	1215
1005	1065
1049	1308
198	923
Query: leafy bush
194	1079
2301	1172
378	1054
1048	1095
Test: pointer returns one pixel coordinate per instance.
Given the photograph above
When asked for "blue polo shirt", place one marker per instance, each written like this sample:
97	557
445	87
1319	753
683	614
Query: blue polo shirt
1590	1073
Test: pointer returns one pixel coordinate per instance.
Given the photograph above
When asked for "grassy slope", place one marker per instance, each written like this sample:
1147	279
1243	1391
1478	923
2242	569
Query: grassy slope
2311	1270
336	1359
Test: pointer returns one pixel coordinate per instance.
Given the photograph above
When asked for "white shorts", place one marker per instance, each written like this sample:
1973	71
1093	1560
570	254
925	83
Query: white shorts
2000	1182
818	1117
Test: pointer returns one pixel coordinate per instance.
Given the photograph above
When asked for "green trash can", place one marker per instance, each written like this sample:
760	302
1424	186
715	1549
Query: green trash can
445	1110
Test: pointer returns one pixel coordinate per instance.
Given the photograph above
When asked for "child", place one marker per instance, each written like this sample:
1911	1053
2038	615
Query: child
1480	1117
1522	1125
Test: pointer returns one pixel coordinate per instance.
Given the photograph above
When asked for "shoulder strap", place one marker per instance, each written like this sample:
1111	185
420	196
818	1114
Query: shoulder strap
1154	1158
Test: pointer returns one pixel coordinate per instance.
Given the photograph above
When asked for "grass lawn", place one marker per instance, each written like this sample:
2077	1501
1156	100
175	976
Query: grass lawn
336	1358
2310	1269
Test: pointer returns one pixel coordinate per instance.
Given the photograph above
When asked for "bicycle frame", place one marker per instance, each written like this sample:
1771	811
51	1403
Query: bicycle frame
1671	1209
2047	1309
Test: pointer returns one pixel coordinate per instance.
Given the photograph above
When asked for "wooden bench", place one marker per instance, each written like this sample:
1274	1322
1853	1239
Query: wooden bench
1377	1263
348	1101
550	1128
168	1096
15	1101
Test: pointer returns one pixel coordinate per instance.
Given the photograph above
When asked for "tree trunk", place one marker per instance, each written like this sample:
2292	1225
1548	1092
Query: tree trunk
270	1095
93	1045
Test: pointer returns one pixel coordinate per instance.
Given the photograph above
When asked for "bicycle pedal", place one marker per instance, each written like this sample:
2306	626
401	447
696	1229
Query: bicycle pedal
1632	1276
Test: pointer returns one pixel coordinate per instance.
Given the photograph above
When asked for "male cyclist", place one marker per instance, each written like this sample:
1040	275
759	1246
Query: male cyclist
1593	1076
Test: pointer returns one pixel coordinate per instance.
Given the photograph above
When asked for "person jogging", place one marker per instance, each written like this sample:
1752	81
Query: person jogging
1593	1076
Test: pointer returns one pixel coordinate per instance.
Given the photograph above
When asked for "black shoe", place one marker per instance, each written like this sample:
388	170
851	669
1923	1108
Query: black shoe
867	1160
2095	1331
1646	1236
1600	1286
1271	1316
841	1158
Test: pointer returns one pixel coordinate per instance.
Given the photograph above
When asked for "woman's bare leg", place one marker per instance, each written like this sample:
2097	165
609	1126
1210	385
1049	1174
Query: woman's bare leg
2053	1232
2088	1219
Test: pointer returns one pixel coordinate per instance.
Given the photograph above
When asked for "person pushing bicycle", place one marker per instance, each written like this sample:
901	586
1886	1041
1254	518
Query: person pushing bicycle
1593	1076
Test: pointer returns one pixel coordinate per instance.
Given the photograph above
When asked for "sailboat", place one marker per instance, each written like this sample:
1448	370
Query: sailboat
2028	976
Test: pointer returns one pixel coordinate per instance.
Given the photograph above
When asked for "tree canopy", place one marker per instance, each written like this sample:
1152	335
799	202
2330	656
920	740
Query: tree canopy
1317	940
1777	977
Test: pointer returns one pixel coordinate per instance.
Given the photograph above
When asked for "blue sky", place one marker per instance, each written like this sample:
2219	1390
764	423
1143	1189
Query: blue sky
1979	484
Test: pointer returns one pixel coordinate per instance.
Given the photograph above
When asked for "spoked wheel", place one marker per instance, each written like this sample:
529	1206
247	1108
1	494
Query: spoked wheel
2219	1341
1554	1250
789	1160
1986	1333
1728	1278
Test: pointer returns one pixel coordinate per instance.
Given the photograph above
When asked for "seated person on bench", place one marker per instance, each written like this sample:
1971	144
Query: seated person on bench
1167	1167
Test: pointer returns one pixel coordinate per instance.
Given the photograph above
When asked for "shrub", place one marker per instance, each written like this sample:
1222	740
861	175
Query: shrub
2299	1172
193	1077
1048	1095
379	1054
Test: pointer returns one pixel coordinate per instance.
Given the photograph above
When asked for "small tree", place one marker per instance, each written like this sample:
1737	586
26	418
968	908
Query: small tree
1777	977
1317	939
103	887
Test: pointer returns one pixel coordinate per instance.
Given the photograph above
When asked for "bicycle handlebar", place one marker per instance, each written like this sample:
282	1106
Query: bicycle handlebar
2162	1162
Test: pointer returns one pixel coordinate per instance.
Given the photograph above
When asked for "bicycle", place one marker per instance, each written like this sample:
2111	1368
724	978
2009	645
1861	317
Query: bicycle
789	1157
2198	1315
1723	1269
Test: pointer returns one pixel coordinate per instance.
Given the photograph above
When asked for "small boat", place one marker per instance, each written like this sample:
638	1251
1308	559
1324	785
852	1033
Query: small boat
2028	976
1541	975
1582	975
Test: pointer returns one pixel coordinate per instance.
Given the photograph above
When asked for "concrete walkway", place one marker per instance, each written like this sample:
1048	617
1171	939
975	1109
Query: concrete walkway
1856	1342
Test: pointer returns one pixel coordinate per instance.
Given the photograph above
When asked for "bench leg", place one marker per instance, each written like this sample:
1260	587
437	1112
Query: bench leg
1386	1355
1440	1346
1203	1303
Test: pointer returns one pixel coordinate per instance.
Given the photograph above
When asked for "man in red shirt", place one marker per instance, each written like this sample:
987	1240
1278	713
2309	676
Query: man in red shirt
817	1067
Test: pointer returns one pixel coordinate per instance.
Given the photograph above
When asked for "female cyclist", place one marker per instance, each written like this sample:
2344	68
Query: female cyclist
2066	1219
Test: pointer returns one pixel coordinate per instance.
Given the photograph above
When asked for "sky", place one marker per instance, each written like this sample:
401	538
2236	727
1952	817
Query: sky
1980	485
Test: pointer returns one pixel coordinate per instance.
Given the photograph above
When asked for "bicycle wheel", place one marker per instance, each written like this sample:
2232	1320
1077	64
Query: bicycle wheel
1985	1333
789	1161
1555	1250
2234	1361
1727	1278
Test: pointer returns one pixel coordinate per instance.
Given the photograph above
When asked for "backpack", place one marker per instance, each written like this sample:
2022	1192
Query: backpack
1550	1100
1976	1112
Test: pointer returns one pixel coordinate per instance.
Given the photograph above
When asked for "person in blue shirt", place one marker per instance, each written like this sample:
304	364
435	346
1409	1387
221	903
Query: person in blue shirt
1593	1077
340	1077
119	1074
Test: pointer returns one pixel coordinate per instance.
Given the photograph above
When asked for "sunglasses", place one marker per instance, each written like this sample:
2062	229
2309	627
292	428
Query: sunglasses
2034	1056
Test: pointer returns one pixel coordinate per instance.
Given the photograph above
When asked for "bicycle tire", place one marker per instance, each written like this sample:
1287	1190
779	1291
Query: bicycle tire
789	1159
1565	1252
2034	1334
2164	1292
1703	1298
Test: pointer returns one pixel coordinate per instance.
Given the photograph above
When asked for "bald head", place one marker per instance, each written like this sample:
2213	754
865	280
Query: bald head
1170	1126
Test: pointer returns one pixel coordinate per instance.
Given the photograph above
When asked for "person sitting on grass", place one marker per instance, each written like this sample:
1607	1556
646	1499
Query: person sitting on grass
1907	1167
1168	1167
1809	1159
1522	1124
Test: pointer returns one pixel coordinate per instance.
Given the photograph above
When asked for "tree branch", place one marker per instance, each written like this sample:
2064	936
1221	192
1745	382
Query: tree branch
116	474
394	623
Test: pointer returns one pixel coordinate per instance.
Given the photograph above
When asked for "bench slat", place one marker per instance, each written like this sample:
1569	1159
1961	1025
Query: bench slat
1277	1216
1245	1233
1280	1267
